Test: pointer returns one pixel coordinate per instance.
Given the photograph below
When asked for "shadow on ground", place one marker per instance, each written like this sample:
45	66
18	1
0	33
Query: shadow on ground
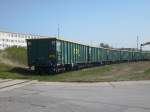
28	72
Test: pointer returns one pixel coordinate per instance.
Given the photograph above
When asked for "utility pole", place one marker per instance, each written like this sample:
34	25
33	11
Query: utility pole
141	47
137	42
58	31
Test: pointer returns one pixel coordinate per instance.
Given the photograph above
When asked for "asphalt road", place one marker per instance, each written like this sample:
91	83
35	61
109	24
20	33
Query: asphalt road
75	97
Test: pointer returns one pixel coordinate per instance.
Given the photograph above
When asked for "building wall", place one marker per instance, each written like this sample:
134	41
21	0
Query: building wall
9	39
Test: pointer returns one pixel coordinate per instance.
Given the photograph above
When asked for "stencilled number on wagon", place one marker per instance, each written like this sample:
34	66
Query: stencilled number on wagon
77	52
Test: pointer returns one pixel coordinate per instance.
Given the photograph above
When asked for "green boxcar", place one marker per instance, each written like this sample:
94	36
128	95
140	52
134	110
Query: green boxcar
137	55
130	55
110	55
146	55
95	55
52	51
105	53
69	52
124	55
114	55
41	52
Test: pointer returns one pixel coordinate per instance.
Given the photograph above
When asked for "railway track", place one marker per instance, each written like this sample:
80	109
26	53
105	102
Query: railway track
9	84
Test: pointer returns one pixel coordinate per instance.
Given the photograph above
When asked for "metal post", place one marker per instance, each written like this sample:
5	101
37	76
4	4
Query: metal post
137	42
141	47
58	31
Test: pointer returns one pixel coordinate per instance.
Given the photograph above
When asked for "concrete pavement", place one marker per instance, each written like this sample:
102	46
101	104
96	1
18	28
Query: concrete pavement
126	96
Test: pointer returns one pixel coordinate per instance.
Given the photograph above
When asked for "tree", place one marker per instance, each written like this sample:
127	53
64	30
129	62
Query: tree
105	45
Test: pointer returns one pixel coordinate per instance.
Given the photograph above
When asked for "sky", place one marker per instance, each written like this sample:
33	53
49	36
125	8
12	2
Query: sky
115	22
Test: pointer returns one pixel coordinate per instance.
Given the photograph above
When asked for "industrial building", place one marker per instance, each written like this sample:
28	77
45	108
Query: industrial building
9	39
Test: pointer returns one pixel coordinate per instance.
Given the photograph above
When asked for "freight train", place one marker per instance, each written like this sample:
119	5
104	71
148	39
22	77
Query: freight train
55	55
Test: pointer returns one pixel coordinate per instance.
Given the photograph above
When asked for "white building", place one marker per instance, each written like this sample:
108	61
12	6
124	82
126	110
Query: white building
9	39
